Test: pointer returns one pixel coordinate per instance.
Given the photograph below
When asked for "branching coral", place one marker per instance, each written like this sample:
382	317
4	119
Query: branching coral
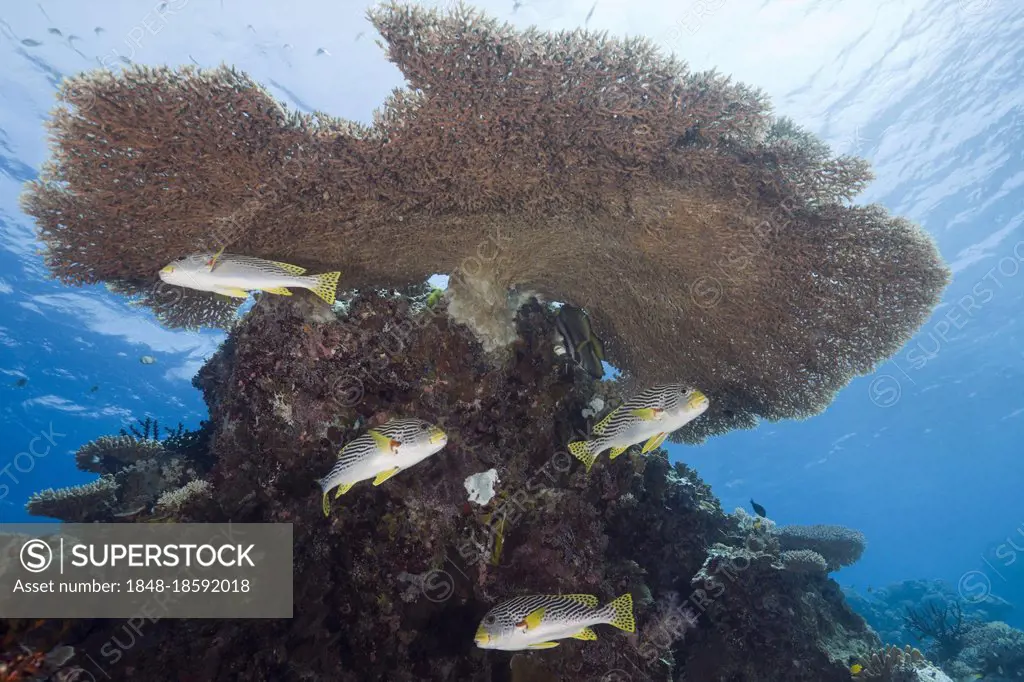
174	500
77	504
838	545
708	240
110	454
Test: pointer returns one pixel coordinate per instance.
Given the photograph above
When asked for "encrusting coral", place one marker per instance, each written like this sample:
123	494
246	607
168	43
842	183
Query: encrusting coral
710	242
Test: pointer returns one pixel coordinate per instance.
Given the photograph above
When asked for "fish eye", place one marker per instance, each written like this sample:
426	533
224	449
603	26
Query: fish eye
489	620
424	426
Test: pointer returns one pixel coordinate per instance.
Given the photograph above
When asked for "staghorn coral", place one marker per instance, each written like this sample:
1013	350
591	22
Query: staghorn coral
838	545
709	240
110	454
392	586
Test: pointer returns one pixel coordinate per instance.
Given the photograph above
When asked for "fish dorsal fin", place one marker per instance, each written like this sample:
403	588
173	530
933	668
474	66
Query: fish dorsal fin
588	600
289	268
533	619
385	475
603	424
384	442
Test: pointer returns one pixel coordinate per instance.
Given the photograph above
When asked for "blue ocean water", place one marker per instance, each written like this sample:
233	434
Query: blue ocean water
923	456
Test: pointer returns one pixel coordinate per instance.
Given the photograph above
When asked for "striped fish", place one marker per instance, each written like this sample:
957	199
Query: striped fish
234	275
380	453
579	340
535	621
649	416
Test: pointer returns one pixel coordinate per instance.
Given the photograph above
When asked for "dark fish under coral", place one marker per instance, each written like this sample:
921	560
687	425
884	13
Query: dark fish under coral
758	509
579	340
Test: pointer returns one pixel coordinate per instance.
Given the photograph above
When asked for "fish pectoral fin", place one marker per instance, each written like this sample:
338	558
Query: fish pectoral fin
233	292
647	414
543	645
342	489
653	442
385	475
384	443
533	620
212	263
616	451
585	633
280	291
327	505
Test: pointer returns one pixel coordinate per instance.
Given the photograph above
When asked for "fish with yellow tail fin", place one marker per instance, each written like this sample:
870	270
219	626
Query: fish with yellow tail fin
646	418
235	276
536	621
380	453
856	669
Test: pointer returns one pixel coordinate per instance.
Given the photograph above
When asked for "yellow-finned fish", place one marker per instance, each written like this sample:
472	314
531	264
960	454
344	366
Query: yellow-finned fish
234	275
856	668
382	452
649	416
535	621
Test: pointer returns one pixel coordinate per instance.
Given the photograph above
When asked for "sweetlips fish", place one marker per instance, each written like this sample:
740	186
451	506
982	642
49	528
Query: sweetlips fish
234	275
380	453
534	621
649	416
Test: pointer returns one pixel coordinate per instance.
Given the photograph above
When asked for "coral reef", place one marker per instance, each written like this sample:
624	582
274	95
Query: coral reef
992	652
892	664
711	242
839	546
885	608
393	584
135	471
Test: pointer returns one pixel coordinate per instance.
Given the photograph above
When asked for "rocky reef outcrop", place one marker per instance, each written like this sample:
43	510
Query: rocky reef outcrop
392	585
